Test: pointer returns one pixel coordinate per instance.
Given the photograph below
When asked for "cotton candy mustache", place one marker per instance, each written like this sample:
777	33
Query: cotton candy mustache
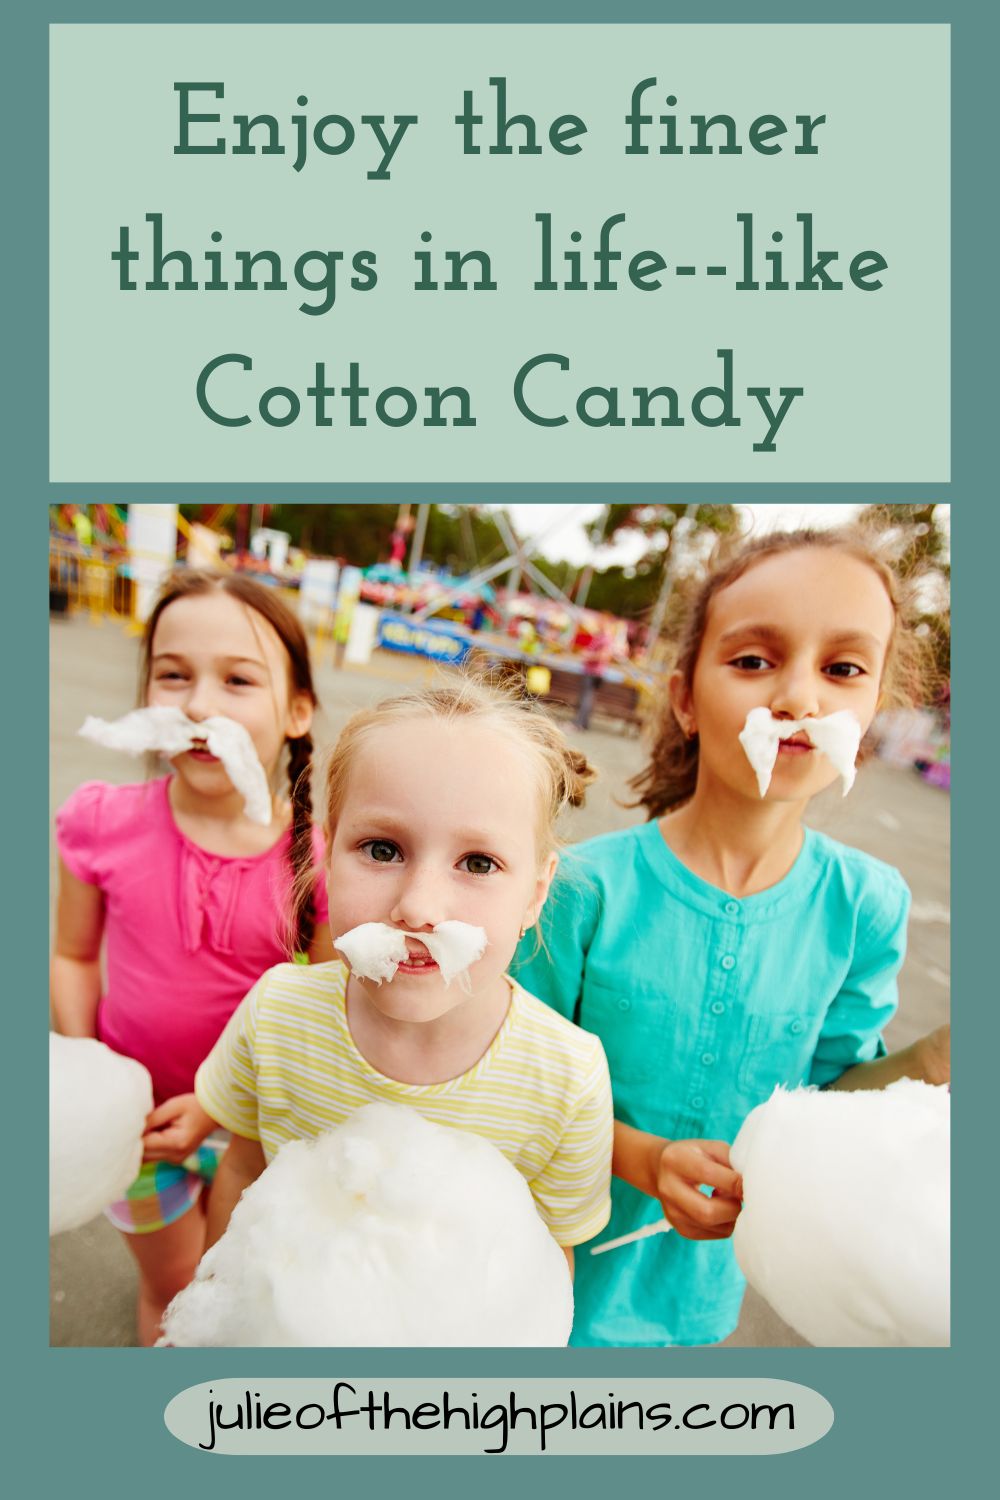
837	736
170	732
375	950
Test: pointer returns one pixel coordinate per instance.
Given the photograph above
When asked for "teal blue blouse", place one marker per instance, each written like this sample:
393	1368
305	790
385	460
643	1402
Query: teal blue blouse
704	1003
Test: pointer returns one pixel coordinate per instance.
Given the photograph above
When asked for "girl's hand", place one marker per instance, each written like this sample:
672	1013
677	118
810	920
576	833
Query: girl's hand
934	1052
174	1129
681	1168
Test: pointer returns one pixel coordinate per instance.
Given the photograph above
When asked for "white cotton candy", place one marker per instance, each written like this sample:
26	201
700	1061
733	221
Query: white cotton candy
845	1221
837	736
454	946
389	1231
375	950
98	1103
170	732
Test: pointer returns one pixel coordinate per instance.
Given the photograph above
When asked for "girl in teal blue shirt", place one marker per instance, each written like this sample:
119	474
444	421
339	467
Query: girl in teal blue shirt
722	948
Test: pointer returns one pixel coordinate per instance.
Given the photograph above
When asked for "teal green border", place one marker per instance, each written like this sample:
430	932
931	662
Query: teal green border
916	1422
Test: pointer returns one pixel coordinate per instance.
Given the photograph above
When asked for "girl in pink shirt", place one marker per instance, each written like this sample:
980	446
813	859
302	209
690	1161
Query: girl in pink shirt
192	901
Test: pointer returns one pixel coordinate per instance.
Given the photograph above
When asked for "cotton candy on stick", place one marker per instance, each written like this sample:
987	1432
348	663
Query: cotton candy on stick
836	735
389	1231
845	1221
98	1103
170	732
375	949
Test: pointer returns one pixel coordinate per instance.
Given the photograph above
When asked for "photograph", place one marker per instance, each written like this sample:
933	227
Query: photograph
490	926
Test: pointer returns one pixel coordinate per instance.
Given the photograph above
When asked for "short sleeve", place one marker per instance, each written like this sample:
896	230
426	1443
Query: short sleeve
573	1191
320	902
226	1083
78	830
852	1029
550	962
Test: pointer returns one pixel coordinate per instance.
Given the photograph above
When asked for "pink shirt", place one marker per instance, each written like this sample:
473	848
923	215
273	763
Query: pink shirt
187	933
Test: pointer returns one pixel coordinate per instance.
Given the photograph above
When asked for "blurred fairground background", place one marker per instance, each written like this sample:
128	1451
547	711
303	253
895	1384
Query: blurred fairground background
581	601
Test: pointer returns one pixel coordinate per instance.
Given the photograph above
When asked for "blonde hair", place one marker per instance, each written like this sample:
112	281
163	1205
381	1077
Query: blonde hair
669	778
563	772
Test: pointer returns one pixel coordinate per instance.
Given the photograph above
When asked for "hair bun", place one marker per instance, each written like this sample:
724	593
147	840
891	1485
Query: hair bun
577	776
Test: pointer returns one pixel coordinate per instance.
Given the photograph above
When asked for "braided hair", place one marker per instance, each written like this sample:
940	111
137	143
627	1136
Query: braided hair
303	915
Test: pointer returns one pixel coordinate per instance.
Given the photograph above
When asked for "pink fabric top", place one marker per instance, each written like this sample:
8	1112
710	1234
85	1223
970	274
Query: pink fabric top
187	933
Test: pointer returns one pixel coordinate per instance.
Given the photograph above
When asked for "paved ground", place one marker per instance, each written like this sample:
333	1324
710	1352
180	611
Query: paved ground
892	814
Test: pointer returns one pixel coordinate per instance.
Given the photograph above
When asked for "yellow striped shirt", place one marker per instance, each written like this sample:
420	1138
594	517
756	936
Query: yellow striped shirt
286	1067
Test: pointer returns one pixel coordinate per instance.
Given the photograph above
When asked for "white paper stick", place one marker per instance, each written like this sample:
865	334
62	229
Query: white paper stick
660	1226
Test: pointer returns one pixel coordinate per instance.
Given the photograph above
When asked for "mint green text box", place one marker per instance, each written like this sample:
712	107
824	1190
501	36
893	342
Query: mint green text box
843	137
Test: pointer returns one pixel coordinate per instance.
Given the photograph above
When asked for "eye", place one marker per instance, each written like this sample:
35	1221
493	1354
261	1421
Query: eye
169	676
750	663
478	864
235	681
845	669
381	851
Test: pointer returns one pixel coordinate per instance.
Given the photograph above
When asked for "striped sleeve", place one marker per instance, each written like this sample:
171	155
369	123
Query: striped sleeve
573	1191
226	1083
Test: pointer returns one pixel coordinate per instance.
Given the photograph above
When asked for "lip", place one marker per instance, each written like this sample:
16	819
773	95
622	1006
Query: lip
426	966
203	755
798	744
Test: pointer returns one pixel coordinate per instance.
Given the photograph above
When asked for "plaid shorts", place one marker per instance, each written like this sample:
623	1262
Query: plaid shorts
162	1192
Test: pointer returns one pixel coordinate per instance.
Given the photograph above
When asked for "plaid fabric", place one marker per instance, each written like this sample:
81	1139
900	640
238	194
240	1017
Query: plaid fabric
162	1192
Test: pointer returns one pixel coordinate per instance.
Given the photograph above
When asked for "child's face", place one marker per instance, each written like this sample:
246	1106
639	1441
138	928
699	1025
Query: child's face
802	633
438	824
213	655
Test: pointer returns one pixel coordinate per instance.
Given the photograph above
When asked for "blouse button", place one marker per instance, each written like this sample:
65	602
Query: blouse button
717	1008
729	962
796	1027
732	907
708	1058
624	1004
697	1102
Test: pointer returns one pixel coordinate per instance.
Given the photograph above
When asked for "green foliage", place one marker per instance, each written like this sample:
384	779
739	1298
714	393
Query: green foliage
633	592
357	534
655	521
462	538
918	543
458	537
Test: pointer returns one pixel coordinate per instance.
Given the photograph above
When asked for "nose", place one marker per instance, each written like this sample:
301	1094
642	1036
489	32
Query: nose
796	693
420	900
200	701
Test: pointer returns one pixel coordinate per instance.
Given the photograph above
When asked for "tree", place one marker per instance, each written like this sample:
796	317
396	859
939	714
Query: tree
359	534
462	538
917	541
679	539
657	522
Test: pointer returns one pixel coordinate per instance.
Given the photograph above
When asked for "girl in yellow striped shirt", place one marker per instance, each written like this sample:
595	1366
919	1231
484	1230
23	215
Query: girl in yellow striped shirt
441	806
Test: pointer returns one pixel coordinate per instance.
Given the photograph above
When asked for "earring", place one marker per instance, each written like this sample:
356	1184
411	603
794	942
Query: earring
524	928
